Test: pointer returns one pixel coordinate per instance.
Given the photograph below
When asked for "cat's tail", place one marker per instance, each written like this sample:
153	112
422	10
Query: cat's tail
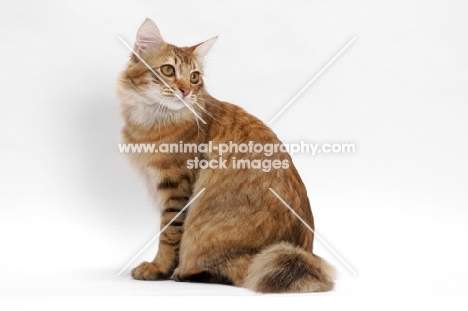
284	268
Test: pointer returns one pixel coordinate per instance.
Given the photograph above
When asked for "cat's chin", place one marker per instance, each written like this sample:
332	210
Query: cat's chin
174	105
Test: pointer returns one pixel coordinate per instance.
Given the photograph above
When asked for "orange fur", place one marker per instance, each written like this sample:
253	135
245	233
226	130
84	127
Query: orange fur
237	232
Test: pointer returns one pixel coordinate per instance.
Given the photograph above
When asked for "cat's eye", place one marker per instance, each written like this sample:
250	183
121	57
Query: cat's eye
194	77
168	70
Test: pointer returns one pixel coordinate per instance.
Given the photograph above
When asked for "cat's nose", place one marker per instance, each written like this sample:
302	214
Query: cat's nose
185	91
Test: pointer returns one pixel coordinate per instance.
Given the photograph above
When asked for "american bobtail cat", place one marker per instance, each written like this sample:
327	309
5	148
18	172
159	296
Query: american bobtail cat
237	231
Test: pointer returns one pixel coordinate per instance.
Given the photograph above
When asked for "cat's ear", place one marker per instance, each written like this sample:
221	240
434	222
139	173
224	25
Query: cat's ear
148	36
200	50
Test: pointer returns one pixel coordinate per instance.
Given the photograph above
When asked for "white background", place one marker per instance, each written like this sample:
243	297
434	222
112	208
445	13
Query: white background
73	213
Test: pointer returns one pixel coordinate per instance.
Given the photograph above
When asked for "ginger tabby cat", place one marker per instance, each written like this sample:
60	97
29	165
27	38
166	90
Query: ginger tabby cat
237	231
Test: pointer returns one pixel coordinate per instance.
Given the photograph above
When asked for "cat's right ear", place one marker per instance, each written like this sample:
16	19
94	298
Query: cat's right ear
148	37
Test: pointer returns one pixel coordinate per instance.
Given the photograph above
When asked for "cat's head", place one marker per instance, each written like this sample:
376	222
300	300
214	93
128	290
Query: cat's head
161	79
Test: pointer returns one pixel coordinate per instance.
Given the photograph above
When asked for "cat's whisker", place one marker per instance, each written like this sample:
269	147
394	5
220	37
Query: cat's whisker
212	104
167	115
198	128
156	113
159	127
211	114
191	102
206	111
201	107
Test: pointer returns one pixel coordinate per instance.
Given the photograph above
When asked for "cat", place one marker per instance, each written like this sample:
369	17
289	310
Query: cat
237	231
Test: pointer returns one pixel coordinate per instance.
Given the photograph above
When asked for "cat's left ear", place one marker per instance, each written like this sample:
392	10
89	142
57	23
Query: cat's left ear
200	50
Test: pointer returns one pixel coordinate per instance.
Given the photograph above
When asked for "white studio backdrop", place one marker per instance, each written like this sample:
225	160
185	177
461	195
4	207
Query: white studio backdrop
73	213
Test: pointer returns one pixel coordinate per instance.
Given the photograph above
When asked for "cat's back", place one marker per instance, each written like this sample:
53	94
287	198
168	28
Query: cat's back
230	122
238	201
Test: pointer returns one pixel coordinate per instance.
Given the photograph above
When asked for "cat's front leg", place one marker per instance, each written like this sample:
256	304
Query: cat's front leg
177	192
167	258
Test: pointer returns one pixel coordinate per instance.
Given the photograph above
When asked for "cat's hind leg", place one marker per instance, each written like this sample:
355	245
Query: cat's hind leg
200	275
231	271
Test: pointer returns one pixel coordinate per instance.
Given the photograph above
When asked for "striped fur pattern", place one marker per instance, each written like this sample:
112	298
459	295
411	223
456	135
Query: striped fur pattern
237	232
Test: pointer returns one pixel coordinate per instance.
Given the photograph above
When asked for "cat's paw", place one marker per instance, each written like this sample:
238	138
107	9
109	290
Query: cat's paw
148	271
